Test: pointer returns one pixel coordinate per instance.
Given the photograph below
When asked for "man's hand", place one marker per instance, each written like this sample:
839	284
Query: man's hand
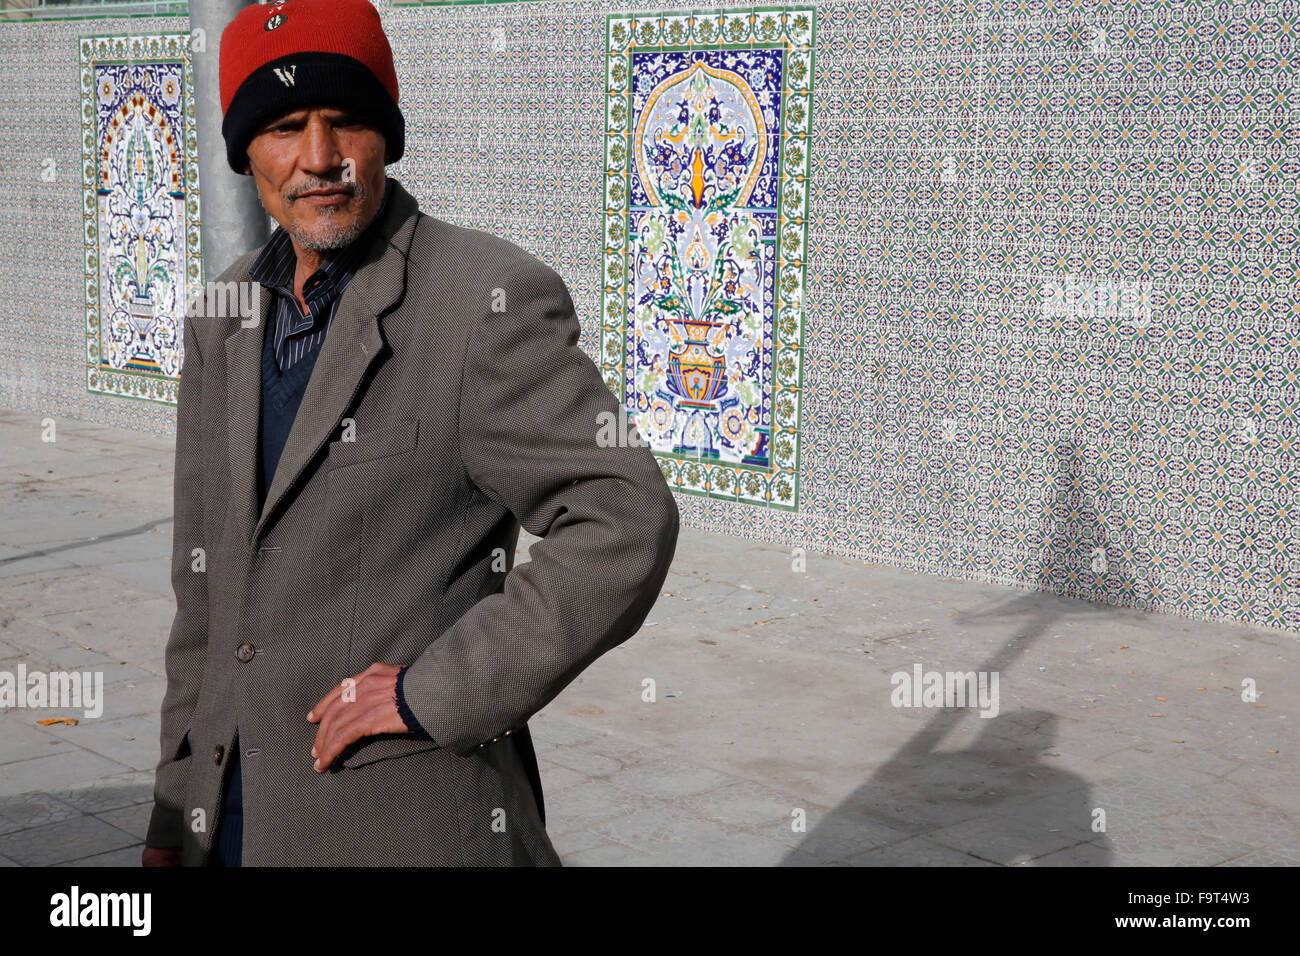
153	856
359	707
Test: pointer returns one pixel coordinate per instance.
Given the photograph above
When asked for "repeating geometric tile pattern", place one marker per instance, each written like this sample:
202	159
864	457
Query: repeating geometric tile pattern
448	3
1050	337
1051	332
142	203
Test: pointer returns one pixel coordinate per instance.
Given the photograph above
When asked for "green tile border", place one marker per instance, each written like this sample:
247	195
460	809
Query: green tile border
12	16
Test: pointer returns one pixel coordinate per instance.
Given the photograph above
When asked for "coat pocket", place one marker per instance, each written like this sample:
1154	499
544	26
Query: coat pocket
369	444
183	748
383	746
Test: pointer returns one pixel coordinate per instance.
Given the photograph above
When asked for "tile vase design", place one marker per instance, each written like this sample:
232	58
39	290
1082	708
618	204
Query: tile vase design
704	236
140	173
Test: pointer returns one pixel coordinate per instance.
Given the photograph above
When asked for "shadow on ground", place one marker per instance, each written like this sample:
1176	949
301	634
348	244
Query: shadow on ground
100	825
996	800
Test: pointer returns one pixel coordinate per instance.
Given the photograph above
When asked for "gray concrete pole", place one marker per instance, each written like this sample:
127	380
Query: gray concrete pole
231	218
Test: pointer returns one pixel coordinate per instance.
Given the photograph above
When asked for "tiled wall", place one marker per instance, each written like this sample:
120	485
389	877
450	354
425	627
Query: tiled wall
46	213
1046	329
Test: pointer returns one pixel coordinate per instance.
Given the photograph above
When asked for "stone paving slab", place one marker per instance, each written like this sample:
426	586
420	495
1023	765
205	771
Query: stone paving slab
126	856
133	820
76	838
27	810
40	774
771	738
918	851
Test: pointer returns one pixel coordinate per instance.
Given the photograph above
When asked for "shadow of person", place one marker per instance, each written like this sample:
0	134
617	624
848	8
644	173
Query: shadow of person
998	799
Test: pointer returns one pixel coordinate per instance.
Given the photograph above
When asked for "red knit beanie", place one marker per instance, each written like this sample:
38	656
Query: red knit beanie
281	57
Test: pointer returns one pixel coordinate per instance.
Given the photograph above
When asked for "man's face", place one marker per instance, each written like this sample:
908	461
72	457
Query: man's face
319	174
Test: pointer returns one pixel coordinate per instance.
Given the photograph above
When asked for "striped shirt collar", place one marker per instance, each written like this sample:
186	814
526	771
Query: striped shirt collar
275	265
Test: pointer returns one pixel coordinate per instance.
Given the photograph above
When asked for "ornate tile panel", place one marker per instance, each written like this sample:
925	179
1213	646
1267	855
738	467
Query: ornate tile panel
140	170
706	148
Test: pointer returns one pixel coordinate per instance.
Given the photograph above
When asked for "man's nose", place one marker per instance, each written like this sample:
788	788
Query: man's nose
319	147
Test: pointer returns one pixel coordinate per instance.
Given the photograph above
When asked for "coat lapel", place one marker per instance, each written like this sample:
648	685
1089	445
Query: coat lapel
352	345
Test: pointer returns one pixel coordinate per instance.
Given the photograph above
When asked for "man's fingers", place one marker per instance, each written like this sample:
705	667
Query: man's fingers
359	707
344	728
344	694
339	722
335	693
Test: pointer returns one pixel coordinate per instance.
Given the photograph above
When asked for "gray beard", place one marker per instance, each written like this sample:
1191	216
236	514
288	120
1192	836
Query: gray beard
337	241
330	242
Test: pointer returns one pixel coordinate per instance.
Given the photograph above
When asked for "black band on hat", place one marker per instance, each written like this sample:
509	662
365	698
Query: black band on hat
303	80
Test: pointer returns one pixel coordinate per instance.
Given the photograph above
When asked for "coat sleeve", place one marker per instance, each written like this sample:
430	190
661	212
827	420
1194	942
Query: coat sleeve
531	407
188	641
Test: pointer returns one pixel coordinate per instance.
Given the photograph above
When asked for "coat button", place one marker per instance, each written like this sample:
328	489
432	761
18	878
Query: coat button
217	753
244	652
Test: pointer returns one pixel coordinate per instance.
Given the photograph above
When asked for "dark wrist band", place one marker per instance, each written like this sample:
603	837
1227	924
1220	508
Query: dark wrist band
412	725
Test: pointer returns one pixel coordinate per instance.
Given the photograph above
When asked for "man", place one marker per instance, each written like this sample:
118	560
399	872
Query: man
354	660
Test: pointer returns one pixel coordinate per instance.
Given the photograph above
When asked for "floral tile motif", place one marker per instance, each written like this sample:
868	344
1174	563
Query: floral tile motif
140	172
703	282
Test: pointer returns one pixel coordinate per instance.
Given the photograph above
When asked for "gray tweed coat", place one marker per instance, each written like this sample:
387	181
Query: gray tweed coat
454	354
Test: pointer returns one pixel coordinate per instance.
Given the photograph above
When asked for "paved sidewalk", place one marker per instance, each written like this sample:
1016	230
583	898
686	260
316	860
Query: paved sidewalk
772	739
